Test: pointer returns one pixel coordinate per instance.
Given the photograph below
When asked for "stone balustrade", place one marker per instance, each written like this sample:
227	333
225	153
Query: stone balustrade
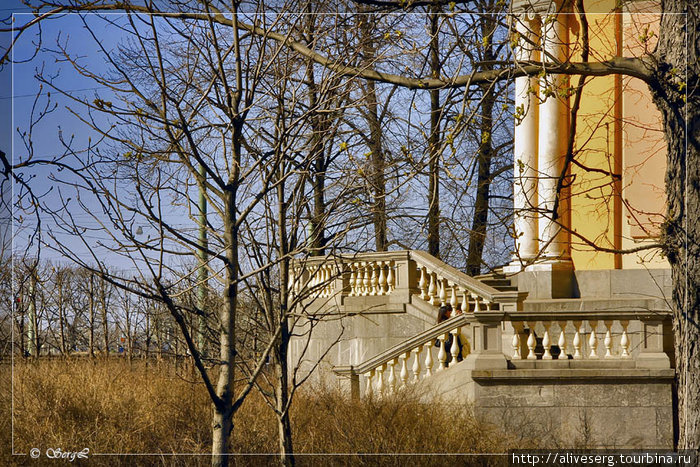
413	360
615	335
409	273
636	338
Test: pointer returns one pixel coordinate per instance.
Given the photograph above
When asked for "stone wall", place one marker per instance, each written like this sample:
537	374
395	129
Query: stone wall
573	408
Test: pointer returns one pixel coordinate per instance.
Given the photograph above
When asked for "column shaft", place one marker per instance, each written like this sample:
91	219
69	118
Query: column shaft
553	136
525	148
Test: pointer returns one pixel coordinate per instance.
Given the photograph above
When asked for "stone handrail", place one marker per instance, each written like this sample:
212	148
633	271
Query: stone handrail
375	368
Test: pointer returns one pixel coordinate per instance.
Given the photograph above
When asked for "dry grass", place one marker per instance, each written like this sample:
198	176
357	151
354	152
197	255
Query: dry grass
112	407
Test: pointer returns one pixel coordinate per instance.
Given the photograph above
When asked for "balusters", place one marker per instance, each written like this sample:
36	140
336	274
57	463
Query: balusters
477	305
516	342
454	349
546	341
423	285
368	387
562	341
608	339
442	354
593	340
465	301
390	278
429	359
432	290
577	341
403	374
382	280
353	278
531	343
367	280
380	379
624	340
416	363
453	300
443	292
360	284
391	381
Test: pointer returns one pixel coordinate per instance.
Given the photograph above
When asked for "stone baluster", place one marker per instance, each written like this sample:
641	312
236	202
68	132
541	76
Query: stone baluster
488	305
477	302
331	280
608	339
423	284
360	279
353	279
403	374
454	349
391	381
368	387
531	342
416	368
453	300
390	278
465	301
432	289
326	277
442	353
373	281
429	359
382	279
577	341
367	280
546	341
562	341
443	292
593	340
380	379
624	340
516	344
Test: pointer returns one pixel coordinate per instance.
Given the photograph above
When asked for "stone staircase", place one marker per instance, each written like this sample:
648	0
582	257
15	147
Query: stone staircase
516	355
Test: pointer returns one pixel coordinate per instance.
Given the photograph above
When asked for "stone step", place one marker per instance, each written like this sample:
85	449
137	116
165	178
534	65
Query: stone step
497	283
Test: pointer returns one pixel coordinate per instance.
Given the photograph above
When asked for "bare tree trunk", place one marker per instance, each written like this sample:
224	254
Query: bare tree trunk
32	325
477	236
222	424
377	177
203	275
280	354
105	322
91	299
127	316
679	42
318	179
61	312
434	140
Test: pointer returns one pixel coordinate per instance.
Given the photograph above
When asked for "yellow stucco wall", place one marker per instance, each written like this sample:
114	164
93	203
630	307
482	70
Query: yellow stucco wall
643	145
618	132
595	193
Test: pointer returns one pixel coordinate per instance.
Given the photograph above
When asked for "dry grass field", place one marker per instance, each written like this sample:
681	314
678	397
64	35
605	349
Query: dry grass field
112	407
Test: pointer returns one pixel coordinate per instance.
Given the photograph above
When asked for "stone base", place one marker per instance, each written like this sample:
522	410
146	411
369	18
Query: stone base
550	279
567	408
